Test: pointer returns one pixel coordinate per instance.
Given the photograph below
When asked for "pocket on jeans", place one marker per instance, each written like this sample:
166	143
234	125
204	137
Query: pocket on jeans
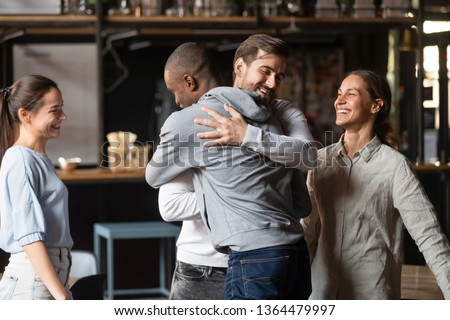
190	272
8	286
40	291
264	278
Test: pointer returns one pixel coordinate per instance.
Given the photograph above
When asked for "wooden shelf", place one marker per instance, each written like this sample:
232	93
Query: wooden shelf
86	24
341	24
48	25
247	25
47	21
179	22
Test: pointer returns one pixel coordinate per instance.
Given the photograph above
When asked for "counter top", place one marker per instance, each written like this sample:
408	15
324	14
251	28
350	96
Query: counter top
107	174
428	167
101	175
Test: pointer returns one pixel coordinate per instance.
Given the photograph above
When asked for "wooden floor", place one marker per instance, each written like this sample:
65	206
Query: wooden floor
418	283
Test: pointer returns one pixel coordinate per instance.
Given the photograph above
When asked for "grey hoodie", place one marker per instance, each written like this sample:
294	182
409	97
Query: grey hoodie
245	199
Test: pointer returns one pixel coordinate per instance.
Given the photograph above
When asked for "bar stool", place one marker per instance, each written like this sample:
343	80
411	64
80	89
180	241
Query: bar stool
133	230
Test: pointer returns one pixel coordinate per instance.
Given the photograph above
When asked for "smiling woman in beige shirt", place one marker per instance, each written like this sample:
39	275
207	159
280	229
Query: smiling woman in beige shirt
363	192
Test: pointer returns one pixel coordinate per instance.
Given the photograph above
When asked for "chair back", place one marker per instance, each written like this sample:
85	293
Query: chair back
83	264
89	288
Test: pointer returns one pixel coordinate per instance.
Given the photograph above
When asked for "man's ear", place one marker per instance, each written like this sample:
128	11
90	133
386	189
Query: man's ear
239	66
190	82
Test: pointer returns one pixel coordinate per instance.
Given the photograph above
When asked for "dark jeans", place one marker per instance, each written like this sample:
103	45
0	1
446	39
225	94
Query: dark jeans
281	272
195	282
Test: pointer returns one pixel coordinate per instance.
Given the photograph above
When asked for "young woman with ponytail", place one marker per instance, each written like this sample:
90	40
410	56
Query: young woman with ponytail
34	220
363	192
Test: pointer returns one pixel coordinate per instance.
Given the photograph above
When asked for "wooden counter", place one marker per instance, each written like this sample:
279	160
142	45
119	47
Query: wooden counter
428	167
106	175
103	175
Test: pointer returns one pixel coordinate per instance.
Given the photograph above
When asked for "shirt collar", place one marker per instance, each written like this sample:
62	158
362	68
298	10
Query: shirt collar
366	152
340	146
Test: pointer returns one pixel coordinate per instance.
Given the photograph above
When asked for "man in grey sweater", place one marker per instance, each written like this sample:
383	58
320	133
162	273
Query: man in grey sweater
245	198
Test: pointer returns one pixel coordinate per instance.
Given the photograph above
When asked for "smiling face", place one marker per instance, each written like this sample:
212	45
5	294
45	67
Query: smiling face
263	75
353	105
45	123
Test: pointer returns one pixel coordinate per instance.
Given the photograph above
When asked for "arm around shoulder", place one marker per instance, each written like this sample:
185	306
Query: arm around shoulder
296	148
175	152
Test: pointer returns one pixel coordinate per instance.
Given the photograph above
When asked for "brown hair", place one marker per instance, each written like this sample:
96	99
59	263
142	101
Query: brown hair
26	93
248	50
378	88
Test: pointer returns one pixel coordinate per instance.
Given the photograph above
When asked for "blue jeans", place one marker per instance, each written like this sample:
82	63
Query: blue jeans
280	272
196	282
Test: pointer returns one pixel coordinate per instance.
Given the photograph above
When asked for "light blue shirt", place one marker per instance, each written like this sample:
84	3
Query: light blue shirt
33	202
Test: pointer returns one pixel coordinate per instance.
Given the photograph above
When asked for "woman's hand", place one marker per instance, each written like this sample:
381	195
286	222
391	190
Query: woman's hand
40	260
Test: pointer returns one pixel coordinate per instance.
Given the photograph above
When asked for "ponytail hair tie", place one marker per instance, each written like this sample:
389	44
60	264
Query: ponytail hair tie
5	91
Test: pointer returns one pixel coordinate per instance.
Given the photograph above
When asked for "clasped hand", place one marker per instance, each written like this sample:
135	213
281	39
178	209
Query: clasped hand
228	130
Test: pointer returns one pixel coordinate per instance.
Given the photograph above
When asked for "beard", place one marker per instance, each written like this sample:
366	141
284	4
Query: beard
267	94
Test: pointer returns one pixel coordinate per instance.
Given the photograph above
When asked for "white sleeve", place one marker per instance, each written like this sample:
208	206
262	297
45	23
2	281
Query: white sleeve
177	199
296	148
